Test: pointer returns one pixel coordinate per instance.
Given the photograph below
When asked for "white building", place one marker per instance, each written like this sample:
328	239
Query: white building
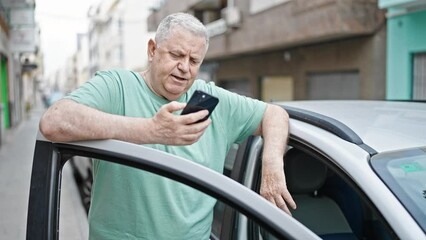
118	35
19	57
82	59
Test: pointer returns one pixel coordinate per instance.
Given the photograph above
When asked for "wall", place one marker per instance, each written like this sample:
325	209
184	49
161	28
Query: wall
135	34
406	36
363	54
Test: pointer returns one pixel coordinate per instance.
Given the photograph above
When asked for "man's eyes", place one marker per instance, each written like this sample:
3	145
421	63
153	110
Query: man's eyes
177	56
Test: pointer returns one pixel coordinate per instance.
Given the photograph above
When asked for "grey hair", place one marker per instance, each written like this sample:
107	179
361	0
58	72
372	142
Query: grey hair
182	20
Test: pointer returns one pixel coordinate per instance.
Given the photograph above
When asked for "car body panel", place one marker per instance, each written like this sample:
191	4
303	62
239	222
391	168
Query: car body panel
375	121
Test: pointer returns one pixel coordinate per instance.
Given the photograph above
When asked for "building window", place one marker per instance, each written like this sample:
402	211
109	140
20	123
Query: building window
419	76
261	5
333	85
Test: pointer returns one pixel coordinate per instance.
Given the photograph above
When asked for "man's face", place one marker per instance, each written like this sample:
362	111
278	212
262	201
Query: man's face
174	63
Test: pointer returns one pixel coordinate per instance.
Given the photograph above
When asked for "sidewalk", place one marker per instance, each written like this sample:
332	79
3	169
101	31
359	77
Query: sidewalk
16	153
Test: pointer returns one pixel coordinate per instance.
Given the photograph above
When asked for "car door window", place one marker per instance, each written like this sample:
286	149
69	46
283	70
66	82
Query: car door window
82	173
49	159
81	168
219	218
328	203
73	219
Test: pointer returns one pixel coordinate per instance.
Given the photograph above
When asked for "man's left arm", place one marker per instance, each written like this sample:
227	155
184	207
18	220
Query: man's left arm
274	130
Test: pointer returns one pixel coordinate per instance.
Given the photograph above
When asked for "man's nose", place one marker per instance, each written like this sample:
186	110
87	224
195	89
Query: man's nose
184	65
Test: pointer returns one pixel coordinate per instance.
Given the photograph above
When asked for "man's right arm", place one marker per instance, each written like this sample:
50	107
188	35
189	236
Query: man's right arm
67	120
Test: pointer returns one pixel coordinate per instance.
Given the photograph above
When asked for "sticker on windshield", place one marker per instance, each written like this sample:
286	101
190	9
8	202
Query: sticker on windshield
412	167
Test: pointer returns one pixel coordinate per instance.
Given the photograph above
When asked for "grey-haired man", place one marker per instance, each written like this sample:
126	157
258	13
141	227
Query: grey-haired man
142	108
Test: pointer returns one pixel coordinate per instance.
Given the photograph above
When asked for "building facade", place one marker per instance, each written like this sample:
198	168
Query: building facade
291	49
406	61
118	35
19	59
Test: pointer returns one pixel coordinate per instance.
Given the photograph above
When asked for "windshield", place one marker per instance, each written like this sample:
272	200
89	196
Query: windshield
404	172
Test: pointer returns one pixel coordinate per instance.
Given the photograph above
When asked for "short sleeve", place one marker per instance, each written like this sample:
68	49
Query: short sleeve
102	92
242	115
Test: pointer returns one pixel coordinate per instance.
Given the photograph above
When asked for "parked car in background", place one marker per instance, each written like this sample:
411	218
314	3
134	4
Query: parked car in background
356	169
49	98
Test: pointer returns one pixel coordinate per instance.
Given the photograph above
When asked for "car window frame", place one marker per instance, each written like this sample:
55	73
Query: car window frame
49	158
230	216
324	158
331	164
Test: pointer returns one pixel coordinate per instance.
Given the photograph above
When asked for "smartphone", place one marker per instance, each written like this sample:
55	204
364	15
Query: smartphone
200	101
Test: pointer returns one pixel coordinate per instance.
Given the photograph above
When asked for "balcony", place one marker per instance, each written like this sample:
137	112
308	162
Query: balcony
237	30
205	10
294	23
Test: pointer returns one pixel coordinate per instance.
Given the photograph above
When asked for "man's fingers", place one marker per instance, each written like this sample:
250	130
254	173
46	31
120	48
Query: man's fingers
289	200
279	196
174	106
280	203
284	207
270	199
196	128
190	133
194	117
188	118
173	129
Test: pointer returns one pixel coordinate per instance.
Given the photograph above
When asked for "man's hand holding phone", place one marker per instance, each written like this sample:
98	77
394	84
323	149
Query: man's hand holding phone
201	101
186	129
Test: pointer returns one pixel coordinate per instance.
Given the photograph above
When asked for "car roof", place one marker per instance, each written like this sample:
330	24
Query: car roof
382	125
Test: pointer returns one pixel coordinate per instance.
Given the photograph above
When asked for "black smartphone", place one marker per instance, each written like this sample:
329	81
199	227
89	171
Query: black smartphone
200	101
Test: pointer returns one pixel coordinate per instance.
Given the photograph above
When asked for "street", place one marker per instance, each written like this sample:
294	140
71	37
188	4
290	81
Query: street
16	153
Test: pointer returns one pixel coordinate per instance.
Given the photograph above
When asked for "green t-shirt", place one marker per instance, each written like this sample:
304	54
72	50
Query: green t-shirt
129	203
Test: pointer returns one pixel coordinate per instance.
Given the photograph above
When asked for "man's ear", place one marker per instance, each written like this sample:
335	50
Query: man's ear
152	46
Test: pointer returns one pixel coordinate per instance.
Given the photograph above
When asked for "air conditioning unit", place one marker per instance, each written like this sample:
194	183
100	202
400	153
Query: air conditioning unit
232	16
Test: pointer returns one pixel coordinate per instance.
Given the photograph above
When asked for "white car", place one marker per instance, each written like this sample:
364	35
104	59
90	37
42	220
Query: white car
356	169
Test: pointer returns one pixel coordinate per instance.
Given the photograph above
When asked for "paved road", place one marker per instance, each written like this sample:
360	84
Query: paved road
16	154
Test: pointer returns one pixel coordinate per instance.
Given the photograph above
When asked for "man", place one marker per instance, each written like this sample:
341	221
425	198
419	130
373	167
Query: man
144	109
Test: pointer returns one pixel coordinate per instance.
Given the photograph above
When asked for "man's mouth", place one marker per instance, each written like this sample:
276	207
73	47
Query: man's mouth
179	78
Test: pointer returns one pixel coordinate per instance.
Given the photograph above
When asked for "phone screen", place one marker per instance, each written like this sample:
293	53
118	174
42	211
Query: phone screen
200	101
